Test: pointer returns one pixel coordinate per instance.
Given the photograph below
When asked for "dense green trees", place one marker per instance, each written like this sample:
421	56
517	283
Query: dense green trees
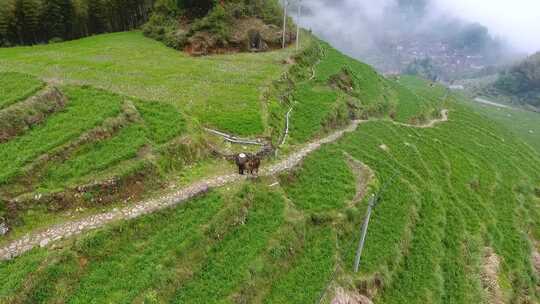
522	81
215	19
40	21
424	68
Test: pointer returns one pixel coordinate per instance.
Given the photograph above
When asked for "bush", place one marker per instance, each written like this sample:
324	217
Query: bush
216	22
269	11
175	39
164	28
321	218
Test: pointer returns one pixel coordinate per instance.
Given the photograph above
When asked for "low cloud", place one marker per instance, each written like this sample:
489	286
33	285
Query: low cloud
355	25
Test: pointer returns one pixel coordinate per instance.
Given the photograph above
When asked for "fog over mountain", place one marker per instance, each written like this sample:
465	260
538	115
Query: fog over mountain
518	21
445	37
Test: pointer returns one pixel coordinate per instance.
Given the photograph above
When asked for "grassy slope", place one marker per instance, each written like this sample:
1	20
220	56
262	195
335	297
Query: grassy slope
15	87
463	185
320	106
454	195
462	204
525	124
87	109
116	156
221	91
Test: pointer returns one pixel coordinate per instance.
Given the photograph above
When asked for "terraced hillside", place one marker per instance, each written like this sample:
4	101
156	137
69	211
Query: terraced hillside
456	204
525	124
457	220
117	116
222	91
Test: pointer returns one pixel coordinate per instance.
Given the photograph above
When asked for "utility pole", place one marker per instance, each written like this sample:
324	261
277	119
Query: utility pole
298	24
285	4
372	202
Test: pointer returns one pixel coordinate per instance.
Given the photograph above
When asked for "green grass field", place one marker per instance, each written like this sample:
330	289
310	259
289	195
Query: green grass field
524	124
15	87
221	91
88	108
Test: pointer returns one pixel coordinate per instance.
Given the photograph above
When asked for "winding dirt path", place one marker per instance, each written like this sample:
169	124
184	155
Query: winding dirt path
67	229
429	124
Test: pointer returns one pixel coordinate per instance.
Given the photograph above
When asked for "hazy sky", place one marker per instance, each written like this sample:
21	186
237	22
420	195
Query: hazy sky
518	21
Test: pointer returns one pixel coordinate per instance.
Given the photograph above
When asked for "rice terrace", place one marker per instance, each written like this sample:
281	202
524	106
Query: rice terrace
159	151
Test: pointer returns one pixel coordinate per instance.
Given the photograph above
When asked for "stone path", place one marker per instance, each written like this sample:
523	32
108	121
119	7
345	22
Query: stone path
71	228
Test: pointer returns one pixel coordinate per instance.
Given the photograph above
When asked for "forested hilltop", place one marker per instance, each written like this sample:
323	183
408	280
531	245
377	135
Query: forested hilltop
27	22
199	27
211	26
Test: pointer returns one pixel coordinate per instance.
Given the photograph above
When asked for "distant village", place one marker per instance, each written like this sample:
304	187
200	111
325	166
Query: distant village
395	56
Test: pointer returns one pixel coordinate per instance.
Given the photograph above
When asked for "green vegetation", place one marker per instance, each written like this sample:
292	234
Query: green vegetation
525	124
88	108
312	110
98	136
331	88
425	240
115	264
451	190
96	157
136	259
25	22
221	92
15	87
448	189
431	91
226	264
522	82
324	183
309	275
203	251
210	26
163	121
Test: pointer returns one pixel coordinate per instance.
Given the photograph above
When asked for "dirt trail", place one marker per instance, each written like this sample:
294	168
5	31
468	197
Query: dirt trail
181	195
490	276
364	175
344	297
429	124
